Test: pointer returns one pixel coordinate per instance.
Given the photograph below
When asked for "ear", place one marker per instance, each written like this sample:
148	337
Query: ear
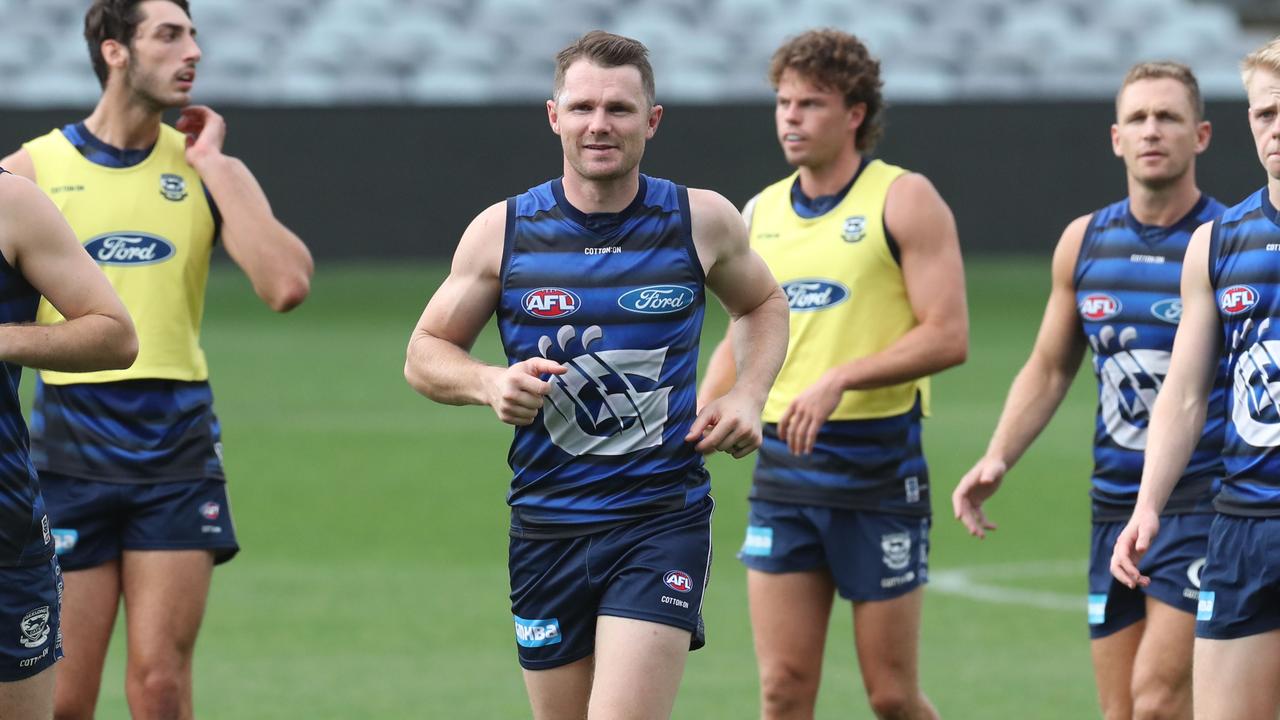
553	117
655	117
1204	133
115	53
857	114
1115	140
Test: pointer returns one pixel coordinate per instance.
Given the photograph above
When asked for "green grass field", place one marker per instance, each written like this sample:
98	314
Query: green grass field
372	583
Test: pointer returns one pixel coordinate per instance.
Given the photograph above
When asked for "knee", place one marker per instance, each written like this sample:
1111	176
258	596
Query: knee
156	691
1159	702
891	703
786	689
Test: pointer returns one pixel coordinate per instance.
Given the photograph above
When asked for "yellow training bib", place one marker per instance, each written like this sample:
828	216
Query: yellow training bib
151	230
845	288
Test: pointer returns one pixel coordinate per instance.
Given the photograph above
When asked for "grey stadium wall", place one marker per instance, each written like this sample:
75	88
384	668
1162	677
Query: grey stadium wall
399	182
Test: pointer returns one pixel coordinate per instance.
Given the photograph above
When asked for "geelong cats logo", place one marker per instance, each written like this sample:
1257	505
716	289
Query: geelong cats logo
608	403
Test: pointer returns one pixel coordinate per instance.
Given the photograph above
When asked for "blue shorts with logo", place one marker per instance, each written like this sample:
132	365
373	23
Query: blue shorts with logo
93	521
652	569
870	555
30	619
1174	563
1240	589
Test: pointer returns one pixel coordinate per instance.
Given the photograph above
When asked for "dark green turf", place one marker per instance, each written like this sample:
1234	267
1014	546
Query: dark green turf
373	584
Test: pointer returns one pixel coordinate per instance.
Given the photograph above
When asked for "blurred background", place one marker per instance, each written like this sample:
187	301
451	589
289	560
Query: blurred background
372	582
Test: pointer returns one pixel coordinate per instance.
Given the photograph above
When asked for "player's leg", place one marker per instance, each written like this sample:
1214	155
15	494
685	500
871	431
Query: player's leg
29	699
560	692
29	609
790	591
638	667
887	636
90	601
1113	658
1162	668
165	592
883	575
789	617
1238	679
1117	620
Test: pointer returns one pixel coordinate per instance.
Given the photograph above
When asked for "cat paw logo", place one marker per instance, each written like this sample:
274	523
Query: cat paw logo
1129	379
1255	384
608	403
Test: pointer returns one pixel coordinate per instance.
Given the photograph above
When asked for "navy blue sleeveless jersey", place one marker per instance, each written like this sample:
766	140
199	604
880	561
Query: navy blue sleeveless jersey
24	527
1128	283
134	431
1244	267
618	299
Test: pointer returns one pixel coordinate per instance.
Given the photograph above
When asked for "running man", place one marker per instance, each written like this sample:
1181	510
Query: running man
598	282
1115	289
130	460
1230	300
869	258
40	257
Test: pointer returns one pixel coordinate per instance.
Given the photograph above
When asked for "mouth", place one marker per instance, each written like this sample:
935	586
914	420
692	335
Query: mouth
793	138
597	147
186	78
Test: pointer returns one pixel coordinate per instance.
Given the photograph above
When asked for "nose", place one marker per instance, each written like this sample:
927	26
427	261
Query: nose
1151	128
599	123
193	53
791	113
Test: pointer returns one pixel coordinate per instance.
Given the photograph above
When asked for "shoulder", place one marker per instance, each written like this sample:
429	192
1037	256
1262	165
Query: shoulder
20	163
1067	252
711	211
915	213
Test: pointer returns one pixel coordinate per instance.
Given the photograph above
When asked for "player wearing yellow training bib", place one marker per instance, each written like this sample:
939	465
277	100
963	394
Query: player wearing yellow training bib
130	460
868	257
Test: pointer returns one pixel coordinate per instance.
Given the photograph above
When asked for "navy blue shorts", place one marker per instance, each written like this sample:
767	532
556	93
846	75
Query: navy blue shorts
653	569
93	522
30	615
871	555
1240	593
1174	563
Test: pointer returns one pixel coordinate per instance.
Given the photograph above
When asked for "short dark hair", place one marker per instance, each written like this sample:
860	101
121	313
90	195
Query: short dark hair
1161	70
114	20
839	62
607	50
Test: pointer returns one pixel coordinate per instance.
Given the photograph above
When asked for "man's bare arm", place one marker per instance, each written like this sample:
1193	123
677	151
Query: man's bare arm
20	163
98	333
1037	390
1177	420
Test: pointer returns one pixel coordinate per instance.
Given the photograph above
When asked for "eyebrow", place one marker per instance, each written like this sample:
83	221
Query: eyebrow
176	26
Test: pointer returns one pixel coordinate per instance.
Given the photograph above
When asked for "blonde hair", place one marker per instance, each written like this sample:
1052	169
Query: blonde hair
1266	57
1165	69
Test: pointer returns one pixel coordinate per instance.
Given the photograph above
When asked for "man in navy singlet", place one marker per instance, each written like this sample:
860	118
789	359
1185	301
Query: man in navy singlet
39	256
1115	289
1230	303
598	281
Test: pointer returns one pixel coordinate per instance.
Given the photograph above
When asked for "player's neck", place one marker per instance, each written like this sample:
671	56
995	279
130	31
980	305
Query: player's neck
829	178
122	122
1163	207
600	196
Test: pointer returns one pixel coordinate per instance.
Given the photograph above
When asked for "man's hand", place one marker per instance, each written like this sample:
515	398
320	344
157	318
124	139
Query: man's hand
976	487
805	416
1133	543
205	131
730	423
516	393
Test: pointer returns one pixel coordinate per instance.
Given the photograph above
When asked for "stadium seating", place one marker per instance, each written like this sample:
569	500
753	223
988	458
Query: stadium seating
305	52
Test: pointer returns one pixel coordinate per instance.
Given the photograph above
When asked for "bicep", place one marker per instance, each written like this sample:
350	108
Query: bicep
1060	341
1197	345
467	298
736	274
46	252
932	268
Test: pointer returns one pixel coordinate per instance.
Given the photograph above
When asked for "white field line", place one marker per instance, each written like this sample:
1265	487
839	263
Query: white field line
979	582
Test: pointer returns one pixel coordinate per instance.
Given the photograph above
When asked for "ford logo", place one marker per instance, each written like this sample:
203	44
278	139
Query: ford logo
129	248
1168	310
811	294
657	299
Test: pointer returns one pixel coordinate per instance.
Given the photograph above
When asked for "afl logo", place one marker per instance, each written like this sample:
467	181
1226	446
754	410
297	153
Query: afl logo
657	299
210	510
811	294
678	581
132	248
1168	310
1099	306
1237	299
550	302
